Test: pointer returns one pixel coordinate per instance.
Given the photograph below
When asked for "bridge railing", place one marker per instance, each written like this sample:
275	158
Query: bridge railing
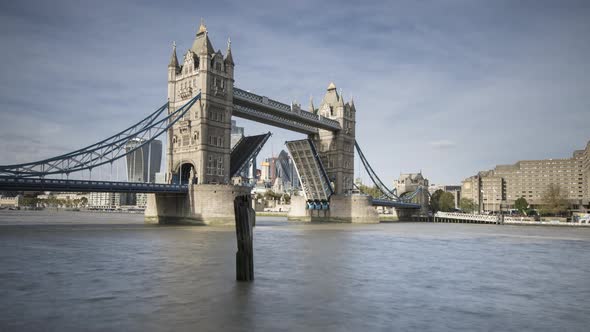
466	216
311	116
10	183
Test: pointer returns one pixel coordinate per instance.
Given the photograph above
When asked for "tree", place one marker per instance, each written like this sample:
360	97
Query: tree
442	201
554	201
270	195
446	202
372	191
434	200
521	205
30	201
467	205
286	198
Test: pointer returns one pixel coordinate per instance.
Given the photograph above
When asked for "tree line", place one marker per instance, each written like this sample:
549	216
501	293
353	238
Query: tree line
53	201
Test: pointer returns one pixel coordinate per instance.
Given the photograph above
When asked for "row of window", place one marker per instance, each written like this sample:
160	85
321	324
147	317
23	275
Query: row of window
215	165
216	116
186	139
217	82
216	140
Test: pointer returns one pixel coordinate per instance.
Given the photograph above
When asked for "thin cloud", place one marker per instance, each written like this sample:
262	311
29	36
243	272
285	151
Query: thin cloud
442	144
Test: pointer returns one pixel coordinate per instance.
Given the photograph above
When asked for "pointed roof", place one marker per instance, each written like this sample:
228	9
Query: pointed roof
173	58
202	42
311	107
229	59
331	97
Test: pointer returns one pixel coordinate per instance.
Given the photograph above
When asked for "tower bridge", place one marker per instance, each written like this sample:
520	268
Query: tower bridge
202	99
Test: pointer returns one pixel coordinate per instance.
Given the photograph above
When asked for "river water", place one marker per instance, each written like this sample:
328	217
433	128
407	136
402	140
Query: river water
103	272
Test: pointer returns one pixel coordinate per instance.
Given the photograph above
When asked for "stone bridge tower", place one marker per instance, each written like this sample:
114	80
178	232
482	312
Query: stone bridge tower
198	148
198	151
336	149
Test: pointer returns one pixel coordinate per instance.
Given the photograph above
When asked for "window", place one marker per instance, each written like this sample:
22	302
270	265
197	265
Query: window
219	166
210	166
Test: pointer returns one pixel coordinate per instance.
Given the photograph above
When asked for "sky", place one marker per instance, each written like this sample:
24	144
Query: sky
446	87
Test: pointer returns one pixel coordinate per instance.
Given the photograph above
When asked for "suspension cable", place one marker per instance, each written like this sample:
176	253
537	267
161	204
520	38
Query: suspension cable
105	151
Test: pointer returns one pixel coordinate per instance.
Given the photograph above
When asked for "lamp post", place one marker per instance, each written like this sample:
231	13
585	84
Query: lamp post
481	192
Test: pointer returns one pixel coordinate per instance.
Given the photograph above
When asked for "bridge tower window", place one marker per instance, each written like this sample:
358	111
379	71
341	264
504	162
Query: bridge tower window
219	166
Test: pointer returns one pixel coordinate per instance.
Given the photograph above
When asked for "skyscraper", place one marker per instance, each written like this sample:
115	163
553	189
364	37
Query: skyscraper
144	162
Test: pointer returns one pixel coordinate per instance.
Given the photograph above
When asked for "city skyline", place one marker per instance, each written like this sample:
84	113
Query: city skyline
486	77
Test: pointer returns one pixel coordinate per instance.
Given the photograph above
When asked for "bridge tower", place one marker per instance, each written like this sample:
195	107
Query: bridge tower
198	150
336	149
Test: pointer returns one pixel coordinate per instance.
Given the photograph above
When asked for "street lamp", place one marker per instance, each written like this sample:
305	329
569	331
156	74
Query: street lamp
481	201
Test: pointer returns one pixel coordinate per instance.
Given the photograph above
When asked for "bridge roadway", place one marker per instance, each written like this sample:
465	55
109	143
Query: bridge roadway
35	184
59	185
262	109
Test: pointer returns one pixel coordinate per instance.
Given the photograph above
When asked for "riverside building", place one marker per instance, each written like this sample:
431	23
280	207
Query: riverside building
499	188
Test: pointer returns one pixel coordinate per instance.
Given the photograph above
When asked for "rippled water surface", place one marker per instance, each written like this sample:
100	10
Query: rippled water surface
88	271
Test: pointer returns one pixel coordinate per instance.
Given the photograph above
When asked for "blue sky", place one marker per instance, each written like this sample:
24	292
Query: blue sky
446	87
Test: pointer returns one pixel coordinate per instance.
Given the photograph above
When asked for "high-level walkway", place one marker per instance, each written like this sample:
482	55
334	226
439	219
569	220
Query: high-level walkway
262	109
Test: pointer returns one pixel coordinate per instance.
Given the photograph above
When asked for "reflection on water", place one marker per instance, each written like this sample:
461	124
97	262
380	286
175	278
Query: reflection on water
82	271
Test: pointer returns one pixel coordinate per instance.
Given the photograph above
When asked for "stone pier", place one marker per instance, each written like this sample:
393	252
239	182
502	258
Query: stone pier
343	208
204	204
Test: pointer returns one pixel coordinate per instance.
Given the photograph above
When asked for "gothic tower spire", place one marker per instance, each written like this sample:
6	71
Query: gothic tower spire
173	59
202	44
229	59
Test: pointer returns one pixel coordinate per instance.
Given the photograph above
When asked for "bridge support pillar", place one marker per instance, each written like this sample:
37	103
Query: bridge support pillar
204	204
343	208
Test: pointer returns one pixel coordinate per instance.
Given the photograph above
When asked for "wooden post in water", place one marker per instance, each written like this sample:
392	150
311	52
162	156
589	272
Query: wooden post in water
245	221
